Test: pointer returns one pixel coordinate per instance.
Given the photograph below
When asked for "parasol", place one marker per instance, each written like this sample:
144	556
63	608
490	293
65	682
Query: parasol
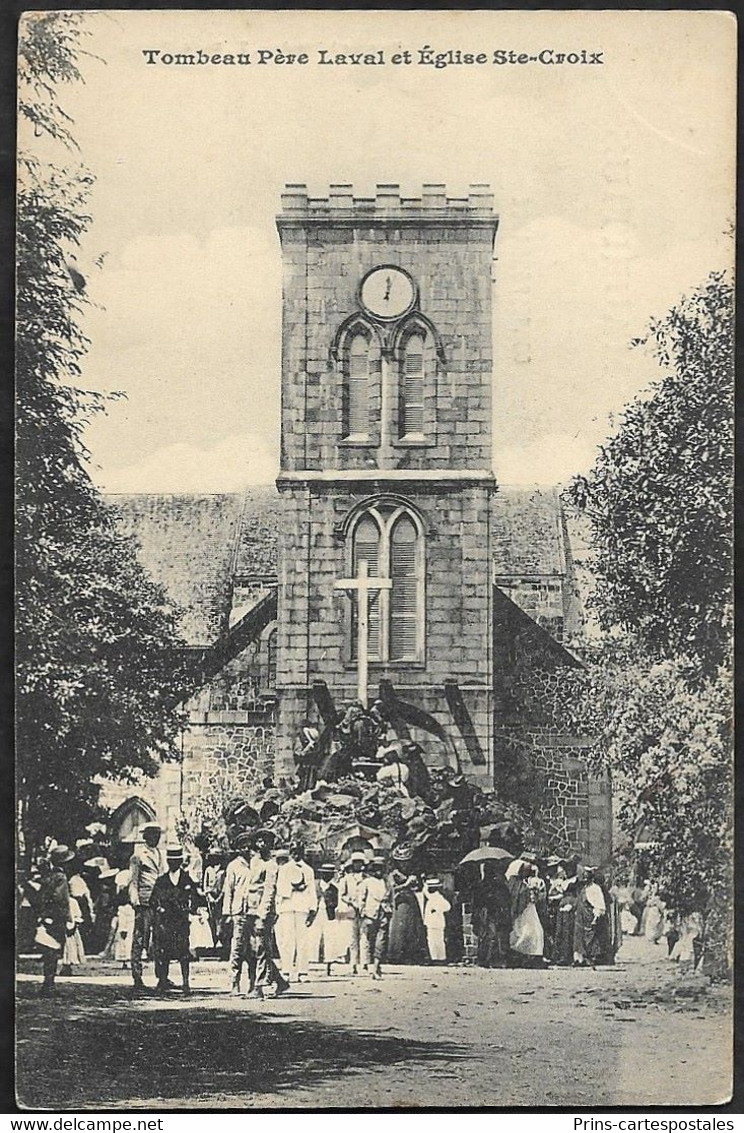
487	853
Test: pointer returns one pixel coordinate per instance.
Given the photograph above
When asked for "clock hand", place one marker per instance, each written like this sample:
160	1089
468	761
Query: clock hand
388	285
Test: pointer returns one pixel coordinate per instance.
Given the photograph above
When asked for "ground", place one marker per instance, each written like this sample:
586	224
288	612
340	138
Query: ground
440	1036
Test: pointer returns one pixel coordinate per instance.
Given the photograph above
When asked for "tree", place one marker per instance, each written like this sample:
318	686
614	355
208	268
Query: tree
659	498
97	646
656	692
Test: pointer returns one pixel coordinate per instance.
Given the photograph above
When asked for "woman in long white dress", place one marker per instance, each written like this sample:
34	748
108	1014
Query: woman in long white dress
527	938
123	934
73	953
690	934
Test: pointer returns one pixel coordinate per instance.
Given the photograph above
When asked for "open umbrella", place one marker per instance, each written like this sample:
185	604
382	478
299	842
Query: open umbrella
487	853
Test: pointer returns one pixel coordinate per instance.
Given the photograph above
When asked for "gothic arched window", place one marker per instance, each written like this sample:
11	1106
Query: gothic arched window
367	546
404	594
357	387
412	387
417	351
391	540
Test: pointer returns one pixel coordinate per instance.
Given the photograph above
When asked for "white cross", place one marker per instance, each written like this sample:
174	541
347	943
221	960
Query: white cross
366	588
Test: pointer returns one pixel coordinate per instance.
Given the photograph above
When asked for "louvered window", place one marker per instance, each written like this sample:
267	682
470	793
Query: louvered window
357	388
412	392
404	595
367	546
271	659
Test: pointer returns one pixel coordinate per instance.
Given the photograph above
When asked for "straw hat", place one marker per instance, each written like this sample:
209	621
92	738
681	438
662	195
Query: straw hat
61	854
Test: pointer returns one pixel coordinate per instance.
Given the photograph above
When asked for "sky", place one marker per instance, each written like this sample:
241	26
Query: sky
614	183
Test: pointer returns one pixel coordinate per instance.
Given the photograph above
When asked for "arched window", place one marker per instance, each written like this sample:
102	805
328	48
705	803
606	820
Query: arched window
404	594
367	546
391	540
357	353
357	387
412	388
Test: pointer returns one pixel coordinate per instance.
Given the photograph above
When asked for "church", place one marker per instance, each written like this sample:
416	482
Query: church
387	563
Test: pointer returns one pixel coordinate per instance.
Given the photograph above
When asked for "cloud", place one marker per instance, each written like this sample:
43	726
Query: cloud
228	466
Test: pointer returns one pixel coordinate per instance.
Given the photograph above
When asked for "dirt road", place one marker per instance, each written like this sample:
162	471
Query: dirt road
429	1037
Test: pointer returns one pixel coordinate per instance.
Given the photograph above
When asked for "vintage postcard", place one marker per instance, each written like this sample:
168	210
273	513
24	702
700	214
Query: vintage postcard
374	581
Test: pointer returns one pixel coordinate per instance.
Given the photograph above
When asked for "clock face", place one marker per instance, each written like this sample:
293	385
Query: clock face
387	292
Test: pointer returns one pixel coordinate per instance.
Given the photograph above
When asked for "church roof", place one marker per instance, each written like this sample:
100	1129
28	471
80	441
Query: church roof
527	534
197	546
187	543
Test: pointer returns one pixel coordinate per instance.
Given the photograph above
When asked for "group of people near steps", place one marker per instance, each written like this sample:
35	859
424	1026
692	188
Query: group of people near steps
279	915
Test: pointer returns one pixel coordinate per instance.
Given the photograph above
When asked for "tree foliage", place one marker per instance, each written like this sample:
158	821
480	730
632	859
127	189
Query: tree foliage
96	641
656	694
659	498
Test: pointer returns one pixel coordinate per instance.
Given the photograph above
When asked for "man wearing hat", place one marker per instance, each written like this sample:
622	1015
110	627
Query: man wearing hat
236	907
146	865
51	903
173	899
375	910
325	945
262	916
349	915
296	907
436	907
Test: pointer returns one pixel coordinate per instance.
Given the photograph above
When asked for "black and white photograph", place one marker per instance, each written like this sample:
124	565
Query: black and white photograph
373	552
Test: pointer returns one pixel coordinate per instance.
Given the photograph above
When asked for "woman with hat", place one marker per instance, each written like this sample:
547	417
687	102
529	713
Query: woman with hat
527	939
174	898
418	782
51	903
407	937
81	913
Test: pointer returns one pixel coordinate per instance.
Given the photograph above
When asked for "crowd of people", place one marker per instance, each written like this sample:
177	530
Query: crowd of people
540	911
272	914
360	742
266	909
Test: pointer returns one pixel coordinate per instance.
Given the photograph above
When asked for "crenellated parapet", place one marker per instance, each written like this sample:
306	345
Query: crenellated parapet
342	206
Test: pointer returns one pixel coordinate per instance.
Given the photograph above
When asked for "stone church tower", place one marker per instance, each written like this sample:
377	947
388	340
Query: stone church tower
386	460
385	472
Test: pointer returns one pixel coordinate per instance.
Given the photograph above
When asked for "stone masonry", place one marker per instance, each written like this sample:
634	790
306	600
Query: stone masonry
444	476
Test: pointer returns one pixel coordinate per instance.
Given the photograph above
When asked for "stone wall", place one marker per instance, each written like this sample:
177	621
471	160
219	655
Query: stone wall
228	755
229	746
572	806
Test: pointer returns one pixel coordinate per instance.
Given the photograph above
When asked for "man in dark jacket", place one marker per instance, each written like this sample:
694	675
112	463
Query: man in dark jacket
174	897
52	905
